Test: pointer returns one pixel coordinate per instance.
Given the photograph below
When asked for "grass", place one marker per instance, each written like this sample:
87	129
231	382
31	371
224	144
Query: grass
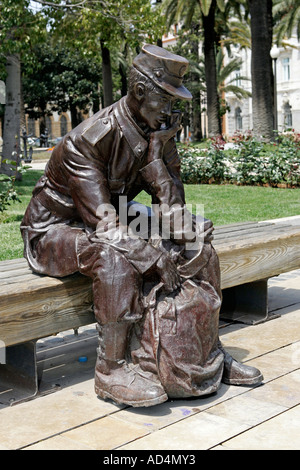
226	204
223	204
11	241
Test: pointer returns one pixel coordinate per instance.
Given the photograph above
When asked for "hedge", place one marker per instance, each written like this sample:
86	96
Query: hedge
246	161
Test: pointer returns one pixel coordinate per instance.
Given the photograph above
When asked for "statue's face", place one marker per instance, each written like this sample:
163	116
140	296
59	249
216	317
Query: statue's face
156	108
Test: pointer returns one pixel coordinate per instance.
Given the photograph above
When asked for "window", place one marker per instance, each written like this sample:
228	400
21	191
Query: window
63	126
287	115
31	126
286	69
238	81
238	119
48	125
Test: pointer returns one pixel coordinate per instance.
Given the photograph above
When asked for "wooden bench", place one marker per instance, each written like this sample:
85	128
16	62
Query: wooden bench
34	306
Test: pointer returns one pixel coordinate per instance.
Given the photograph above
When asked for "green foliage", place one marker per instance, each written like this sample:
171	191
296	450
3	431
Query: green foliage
20	28
223	204
8	190
112	22
286	14
204	166
59	80
249	162
88	28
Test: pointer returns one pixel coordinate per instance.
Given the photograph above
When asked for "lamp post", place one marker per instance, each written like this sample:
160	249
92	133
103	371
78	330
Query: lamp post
204	110
275	54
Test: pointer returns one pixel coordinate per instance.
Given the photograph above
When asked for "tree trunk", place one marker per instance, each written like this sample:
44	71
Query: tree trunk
196	103
123	72
213	104
261	68
76	117
197	117
106	76
11	128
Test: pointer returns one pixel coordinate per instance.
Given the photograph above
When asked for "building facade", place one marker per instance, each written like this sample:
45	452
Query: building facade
287	75
57	125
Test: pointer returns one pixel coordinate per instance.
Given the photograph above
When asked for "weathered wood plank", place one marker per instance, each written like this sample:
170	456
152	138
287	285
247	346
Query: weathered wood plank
242	226
12	264
24	316
29	277
33	306
15	273
246	263
252	231
259	238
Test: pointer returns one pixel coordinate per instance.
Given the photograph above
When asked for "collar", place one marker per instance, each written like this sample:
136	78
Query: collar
135	137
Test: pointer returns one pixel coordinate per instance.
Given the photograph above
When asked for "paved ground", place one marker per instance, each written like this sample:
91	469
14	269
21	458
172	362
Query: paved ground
38	164
266	417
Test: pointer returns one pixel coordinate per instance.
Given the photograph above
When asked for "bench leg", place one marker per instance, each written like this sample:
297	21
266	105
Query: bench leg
247	303
18	376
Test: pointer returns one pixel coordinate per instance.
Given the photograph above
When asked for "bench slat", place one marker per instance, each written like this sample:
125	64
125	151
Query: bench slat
25	278
53	308
33	306
15	273
261	259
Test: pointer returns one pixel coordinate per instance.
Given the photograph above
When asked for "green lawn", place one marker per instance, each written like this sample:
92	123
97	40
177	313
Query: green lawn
223	204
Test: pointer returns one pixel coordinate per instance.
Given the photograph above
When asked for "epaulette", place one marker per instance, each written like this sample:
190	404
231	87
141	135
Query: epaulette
97	130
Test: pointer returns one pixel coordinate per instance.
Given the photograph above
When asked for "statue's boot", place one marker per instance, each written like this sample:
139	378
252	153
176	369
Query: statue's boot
236	373
118	380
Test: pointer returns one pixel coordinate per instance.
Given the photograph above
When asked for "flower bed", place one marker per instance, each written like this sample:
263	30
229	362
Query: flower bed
247	161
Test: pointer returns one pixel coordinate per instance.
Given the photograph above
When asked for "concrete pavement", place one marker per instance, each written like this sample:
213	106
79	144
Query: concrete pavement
263	418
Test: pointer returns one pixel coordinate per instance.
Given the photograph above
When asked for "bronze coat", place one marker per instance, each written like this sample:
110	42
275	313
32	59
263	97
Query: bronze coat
100	160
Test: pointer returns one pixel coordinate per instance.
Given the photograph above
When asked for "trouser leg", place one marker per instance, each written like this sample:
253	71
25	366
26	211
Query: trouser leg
115	378
117	293
117	285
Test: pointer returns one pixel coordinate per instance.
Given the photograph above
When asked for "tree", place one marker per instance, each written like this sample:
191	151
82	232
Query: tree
286	14
60	81
12	116
225	81
213	102
183	10
19	29
103	28
239	33
261	67
187	44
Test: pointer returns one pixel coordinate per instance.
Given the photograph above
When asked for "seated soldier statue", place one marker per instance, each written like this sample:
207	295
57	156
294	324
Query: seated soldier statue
69	227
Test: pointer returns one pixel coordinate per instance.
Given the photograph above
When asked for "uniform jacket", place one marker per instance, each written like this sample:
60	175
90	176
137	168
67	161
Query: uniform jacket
101	159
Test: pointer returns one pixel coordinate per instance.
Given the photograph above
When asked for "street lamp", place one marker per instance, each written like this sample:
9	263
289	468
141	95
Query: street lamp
275	54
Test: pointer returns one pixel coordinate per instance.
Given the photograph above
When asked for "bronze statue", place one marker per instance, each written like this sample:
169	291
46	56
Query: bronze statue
156	302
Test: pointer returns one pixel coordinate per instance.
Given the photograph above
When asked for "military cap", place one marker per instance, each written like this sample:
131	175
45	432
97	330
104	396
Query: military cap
164	68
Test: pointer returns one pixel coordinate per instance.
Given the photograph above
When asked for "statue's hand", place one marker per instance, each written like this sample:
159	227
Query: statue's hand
205	228
208	230
167	271
159	138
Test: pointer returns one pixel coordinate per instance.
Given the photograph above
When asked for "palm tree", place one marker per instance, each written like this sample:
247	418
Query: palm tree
185	10
286	14
239	32
225	79
261	67
213	102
